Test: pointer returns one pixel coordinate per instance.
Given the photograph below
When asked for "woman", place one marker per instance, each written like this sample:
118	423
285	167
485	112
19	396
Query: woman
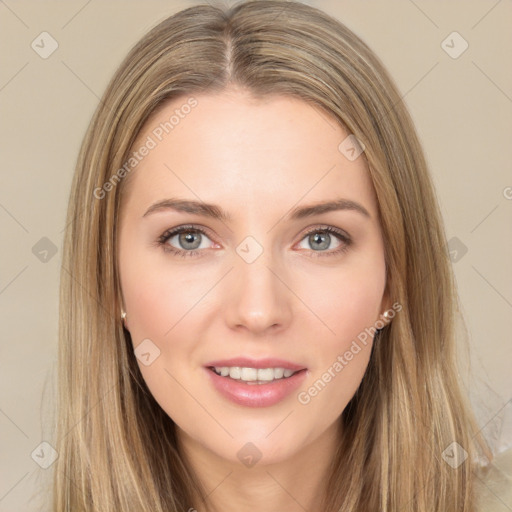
299	354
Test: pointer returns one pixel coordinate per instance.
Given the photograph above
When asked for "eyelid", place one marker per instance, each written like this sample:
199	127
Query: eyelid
168	233
330	229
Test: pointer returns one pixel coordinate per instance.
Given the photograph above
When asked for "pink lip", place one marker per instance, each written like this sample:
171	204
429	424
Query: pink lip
245	362
255	395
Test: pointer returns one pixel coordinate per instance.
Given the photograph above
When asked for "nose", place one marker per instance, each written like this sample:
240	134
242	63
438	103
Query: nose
258	298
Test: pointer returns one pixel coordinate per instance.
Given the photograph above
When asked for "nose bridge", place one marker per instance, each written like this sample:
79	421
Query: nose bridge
259	299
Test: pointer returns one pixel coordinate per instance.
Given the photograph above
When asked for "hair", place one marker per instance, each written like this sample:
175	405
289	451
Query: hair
117	448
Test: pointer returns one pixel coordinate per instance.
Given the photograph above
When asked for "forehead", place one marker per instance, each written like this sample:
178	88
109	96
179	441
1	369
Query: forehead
233	148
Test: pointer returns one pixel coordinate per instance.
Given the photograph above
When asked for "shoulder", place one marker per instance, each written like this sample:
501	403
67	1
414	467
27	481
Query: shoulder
493	484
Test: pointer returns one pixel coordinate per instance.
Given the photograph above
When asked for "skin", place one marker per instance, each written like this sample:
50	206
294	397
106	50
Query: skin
257	160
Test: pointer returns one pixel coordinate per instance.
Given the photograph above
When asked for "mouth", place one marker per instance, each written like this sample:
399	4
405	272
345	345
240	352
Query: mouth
253	383
253	376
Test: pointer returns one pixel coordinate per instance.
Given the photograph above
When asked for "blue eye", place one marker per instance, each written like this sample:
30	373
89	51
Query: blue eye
187	237
190	238
321	237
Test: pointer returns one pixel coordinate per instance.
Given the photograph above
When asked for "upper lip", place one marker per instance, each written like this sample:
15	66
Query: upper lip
246	362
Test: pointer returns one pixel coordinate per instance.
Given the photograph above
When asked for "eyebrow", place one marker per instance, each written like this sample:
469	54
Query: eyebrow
216	212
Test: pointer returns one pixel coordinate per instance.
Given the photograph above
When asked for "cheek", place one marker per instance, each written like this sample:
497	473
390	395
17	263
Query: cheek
355	307
161	302
349	303
157	296
350	309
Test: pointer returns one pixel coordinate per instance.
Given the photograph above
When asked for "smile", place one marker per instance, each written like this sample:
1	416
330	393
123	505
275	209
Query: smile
249	388
253	375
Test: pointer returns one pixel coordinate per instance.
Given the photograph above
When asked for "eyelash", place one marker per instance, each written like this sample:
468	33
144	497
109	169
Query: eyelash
162	240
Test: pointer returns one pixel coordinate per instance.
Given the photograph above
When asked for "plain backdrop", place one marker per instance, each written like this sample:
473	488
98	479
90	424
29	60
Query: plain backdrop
461	103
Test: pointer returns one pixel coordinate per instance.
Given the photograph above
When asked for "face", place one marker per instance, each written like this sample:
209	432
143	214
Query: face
271	280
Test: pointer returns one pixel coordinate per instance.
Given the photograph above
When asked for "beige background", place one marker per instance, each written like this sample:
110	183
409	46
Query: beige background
462	109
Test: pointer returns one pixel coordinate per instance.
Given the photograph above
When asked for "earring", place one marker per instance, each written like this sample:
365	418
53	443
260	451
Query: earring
123	314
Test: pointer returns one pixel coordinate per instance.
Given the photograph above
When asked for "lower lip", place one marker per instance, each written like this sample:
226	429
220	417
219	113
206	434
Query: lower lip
256	395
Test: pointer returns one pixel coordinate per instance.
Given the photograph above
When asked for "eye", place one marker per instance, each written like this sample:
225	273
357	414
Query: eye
188	239
320	238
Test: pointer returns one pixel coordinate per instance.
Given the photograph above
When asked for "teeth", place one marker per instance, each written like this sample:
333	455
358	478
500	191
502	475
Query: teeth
235	372
253	375
247	374
279	372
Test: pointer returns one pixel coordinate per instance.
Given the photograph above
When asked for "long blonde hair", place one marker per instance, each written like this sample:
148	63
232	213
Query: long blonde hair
117	448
